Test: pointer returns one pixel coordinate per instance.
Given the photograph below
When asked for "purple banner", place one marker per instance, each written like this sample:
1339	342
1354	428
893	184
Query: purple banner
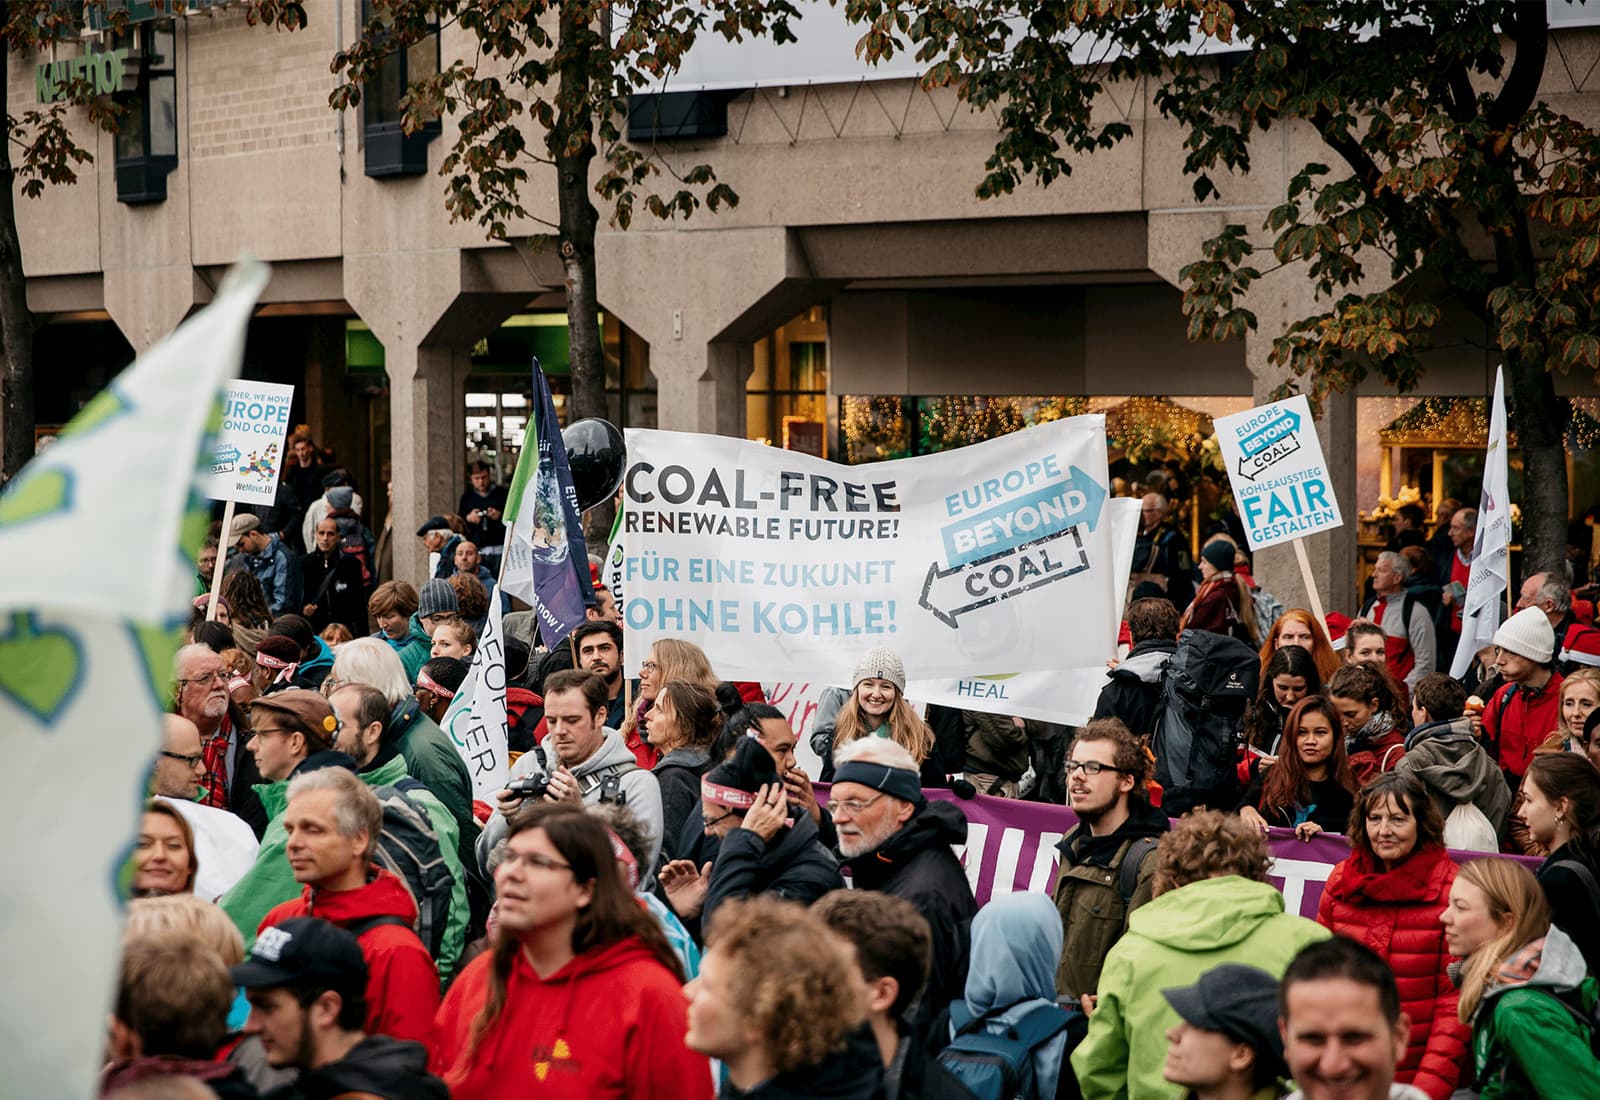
1011	846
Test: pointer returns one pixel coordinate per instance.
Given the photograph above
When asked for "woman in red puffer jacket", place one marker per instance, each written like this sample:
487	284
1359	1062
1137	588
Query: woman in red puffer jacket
1388	895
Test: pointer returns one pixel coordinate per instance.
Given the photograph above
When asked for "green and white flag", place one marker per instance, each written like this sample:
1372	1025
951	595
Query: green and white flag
101	531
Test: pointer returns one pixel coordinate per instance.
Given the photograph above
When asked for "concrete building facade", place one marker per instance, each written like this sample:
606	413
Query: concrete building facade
857	211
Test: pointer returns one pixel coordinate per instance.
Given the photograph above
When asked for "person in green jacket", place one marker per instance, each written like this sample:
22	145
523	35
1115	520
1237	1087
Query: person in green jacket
1213	904
1524	987
393	606
271	880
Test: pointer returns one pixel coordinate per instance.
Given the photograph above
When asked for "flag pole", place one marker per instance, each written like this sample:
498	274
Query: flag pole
1311	584
222	560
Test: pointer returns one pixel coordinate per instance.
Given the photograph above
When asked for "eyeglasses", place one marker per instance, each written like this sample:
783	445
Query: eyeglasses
190	759
260	732
855	807
218	677
649	666
535	861
331	685
1091	767
720	817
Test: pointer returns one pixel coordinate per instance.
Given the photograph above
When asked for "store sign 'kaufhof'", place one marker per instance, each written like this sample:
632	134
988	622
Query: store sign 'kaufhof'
105	71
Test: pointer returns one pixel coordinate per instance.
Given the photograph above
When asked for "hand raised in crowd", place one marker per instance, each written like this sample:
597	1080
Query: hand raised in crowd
797	785
685	886
564	787
769	813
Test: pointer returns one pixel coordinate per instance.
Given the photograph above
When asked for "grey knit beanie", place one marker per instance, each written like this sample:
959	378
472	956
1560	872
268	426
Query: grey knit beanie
881	663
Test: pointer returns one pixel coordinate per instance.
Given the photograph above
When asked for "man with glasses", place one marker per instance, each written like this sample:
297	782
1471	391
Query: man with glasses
1160	556
580	761
292	731
1106	865
230	775
894	840
224	846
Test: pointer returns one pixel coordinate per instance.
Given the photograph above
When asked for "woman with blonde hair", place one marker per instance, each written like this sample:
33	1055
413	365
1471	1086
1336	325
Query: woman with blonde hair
670	659
1523	986
1297	626
877	707
164	859
1580	694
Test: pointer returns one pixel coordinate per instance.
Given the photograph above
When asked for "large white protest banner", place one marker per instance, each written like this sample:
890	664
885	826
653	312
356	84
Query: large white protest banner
247	461
990	557
87	636
1279	478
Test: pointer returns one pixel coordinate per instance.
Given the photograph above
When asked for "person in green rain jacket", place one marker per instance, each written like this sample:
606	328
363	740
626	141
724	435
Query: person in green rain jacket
1213	904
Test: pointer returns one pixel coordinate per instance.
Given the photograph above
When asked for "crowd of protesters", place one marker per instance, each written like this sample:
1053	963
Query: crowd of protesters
662	904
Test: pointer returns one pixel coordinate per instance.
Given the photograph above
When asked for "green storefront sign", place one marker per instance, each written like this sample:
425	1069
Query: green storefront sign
104	70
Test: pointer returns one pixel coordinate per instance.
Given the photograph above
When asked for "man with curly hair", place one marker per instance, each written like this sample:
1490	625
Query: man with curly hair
1213	904
780	1000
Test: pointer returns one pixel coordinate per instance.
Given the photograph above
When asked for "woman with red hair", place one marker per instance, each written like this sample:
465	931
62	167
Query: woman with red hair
1297	626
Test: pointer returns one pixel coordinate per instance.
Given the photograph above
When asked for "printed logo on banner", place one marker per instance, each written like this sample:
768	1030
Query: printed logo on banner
1278	474
1015	546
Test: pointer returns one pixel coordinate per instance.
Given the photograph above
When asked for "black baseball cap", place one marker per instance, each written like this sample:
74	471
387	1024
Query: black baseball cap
303	951
433	523
1239	1001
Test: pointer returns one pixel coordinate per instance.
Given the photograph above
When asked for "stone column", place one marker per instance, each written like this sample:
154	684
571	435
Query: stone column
426	311
701	298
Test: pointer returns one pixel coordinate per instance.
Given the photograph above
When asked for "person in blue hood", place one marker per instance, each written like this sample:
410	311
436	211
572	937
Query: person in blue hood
1016	947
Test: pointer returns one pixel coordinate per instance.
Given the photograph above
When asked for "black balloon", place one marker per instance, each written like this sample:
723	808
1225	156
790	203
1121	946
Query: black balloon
597	456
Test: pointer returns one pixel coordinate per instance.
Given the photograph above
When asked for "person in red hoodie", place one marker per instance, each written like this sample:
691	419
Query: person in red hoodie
1375	722
333	820
1519	716
1388	895
580	995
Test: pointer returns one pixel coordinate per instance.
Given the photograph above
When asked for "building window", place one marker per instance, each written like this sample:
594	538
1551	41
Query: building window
147	135
388	149
630	387
786	399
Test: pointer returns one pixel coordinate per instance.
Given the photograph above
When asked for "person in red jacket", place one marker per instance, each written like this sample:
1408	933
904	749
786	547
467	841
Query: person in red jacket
344	887
1519	716
1388	895
580	996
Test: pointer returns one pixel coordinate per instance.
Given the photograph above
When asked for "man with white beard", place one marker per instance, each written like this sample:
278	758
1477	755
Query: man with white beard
230	771
894	840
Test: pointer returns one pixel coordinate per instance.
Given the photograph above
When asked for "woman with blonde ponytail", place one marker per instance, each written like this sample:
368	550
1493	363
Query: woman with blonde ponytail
1523	985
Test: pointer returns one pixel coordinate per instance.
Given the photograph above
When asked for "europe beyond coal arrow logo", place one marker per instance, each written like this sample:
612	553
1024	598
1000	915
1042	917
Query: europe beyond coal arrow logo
1046	511
1269	444
950	593
1253	466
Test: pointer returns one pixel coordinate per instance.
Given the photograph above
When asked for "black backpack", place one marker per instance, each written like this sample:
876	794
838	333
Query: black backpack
409	846
1206	687
1000	1066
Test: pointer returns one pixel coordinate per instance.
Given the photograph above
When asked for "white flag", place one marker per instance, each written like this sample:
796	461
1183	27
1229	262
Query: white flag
476	718
101	531
1491	547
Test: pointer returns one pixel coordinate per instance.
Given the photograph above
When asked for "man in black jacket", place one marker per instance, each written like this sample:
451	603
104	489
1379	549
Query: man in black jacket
894	840
331	581
1134	691
306	980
